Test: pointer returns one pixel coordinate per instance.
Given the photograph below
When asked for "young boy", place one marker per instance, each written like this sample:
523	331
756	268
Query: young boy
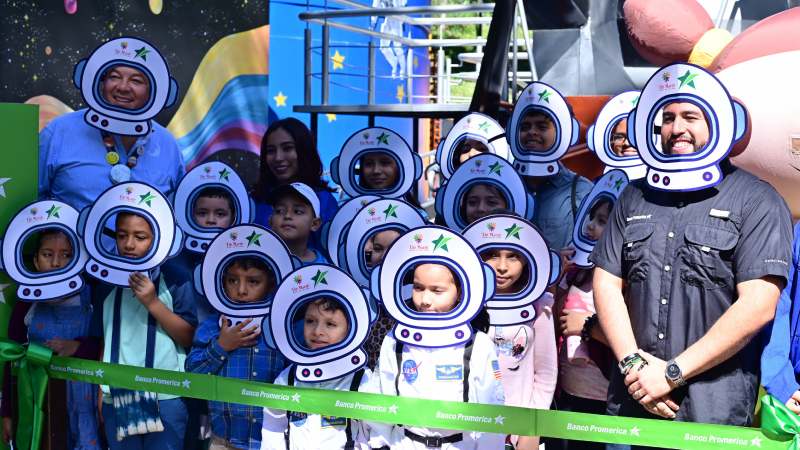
213	208
146	325
324	324
295	216
237	352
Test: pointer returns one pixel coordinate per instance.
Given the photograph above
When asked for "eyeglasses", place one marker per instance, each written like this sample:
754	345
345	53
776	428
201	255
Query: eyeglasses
619	137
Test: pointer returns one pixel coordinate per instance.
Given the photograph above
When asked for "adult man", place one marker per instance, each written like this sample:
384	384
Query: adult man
688	278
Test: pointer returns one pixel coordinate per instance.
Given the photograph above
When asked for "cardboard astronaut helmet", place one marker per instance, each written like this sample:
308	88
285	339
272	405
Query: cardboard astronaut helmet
594	207
672	92
436	250
326	291
476	131
600	136
536	152
376	217
383	147
460	200
334	232
132	53
38	220
501	232
132	198
212	180
244	246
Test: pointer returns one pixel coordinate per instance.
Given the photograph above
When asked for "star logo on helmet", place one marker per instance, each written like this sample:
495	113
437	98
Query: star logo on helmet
142	53
224	174
319	277
618	184
147	199
383	139
544	96
513	231
635	101
441	243
53	212
495	168
253	239
484	126
687	79
391	210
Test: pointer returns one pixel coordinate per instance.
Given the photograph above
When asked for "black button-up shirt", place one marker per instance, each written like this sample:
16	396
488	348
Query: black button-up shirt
681	256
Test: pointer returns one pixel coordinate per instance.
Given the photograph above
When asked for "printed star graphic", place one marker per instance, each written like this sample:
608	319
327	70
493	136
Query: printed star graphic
618	184
513	231
391	210
338	60
635	431
401	93
223	174
187	384
53	211
393	409
756	442
500	420
142	53
3	288
331	117
280	99
319	277
484	126
383	139
687	79
544	96
635	101
147	199
296	398
99	373
495	168
2	189
253	239
441	243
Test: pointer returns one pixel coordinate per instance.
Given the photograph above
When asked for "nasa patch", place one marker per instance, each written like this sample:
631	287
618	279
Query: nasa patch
297	418
449	372
331	421
410	371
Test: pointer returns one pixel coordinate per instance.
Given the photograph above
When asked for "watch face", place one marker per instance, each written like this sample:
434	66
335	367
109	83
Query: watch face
673	371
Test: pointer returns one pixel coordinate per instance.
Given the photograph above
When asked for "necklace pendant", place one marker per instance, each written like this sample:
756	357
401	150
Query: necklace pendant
120	173
112	157
132	161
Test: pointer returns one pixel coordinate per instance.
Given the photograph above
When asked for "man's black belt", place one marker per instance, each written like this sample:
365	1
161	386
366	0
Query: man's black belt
433	441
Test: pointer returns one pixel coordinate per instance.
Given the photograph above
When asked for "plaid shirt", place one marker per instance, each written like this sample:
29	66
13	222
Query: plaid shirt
240	425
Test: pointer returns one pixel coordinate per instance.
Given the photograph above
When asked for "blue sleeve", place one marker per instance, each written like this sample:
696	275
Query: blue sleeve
46	159
184	296
263	211
777	368
582	189
206	355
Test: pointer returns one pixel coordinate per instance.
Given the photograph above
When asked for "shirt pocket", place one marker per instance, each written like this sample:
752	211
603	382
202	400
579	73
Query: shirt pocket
707	256
635	248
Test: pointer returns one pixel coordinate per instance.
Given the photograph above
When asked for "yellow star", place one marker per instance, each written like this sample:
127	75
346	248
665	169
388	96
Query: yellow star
415	61
401	93
331	117
280	99
338	60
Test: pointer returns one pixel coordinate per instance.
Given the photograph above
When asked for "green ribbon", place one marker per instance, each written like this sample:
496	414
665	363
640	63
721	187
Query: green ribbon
32	361
779	422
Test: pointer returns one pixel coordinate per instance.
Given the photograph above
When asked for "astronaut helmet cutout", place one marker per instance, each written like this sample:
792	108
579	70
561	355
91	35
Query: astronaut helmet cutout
311	293
204	191
473	134
482	185
249	253
334	232
594	213
379	216
442	257
692	154
376	161
541	130
540	265
133	114
147	212
608	136
59	279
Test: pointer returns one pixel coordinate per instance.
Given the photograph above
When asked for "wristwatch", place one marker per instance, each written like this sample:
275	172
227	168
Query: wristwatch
674	373
629	361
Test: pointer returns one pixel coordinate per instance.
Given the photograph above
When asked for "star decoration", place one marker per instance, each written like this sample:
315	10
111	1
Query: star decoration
319	277
331	117
500	420
99	373
618	184
415	61
383	139
338	60
391	210
147	199
3	287
393	409
187	384
223	174
635	431
513	231
484	126
544	96
2	189
687	79
441	243
280	99
495	168
401	93
296	398
635	101
53	212
253	239
142	53
756	442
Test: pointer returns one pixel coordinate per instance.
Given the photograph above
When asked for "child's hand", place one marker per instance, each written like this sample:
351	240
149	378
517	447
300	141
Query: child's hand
63	347
143	288
572	321
566	254
8	430
231	338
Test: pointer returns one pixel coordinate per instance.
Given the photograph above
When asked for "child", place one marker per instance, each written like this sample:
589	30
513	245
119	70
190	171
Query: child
481	200
295	216
380	242
63	326
410	370
467	149
537	131
526	352
324	324
378	171
237	352
146	325
213	208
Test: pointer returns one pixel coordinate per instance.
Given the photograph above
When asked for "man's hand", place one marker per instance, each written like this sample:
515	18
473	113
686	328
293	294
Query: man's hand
648	385
63	347
143	288
231	338
794	403
572	321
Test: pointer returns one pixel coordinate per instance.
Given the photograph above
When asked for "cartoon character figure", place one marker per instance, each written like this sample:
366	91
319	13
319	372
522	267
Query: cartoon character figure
608	136
471	135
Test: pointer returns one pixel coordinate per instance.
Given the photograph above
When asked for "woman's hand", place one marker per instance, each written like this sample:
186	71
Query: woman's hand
572	321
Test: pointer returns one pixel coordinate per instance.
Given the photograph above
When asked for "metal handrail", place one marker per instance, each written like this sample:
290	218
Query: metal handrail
442	9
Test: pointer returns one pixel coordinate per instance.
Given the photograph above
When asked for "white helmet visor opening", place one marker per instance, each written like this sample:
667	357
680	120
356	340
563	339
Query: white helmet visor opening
213	207
594	221
373	246
376	171
465	147
246	281
132	230
318	323
480	198
515	270
431	288
107	69
46	251
616	141
685	129
538	131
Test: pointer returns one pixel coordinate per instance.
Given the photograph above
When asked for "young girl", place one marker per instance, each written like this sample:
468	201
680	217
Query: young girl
526	352
481	200
378	171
